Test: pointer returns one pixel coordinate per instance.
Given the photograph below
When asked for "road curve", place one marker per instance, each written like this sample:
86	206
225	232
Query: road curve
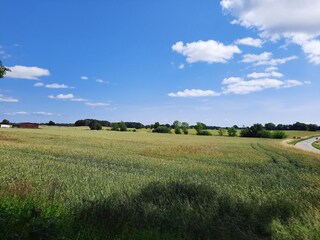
307	145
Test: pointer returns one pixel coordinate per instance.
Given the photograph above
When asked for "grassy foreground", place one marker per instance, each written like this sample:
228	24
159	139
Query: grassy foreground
60	182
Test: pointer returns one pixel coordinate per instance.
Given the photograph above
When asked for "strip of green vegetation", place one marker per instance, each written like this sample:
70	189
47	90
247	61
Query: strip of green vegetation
69	183
299	139
316	144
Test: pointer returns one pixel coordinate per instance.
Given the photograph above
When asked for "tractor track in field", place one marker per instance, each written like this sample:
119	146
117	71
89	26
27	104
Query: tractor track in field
277	158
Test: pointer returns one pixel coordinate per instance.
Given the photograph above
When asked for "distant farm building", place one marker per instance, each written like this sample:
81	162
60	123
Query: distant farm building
28	125
5	126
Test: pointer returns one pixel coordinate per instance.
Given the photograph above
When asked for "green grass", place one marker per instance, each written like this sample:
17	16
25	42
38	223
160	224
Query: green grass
316	144
84	184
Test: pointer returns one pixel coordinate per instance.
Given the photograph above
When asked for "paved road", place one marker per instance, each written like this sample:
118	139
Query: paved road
307	145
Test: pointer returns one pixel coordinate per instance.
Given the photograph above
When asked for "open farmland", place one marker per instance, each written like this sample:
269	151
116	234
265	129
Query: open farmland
83	184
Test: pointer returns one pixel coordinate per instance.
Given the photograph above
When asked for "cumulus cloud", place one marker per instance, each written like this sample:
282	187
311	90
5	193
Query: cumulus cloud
100	81
4	98
265	74
297	21
250	42
23	72
84	78
194	93
248	86
265	58
206	51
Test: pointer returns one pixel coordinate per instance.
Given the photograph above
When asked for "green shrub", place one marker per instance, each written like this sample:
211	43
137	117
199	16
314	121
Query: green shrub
279	134
95	125
204	133
162	129
264	134
232	132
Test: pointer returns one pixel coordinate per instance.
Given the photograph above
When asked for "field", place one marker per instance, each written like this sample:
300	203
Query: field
80	184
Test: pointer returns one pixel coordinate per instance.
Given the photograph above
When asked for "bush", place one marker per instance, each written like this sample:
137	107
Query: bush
264	134
95	125
122	126
221	131
177	130
279	134
115	127
162	129
232	132
204	133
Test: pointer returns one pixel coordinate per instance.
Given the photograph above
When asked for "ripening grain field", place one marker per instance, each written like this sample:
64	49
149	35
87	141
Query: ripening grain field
72	183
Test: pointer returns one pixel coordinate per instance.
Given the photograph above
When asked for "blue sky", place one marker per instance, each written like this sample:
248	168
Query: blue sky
219	62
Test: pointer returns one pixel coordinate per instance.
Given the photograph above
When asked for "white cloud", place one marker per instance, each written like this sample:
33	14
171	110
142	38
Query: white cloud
67	97
265	75
27	72
99	104
100	81
206	51
181	66
253	58
194	93
271	69
16	113
52	85
84	78
38	84
79	100
56	86
250	42
281	19
43	113
274	17
310	46
7	99
265	58
249	86
232	80
62	96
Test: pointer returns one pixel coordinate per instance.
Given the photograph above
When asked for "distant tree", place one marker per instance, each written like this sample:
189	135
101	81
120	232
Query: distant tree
51	123
115	127
312	127
156	125
5	121
177	127
122	126
299	126
235	126
185	126
95	125
3	70
270	126
280	127
232	132
221	131
199	127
